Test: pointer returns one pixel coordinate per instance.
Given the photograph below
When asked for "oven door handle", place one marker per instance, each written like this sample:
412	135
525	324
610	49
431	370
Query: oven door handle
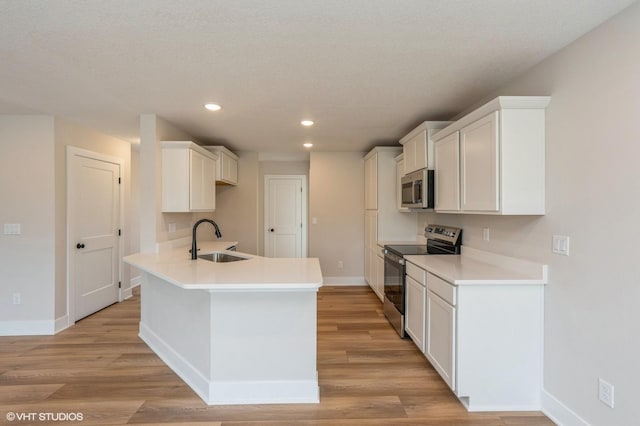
393	258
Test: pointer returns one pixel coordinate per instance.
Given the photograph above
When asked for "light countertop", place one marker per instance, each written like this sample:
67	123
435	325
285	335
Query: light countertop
477	268
256	273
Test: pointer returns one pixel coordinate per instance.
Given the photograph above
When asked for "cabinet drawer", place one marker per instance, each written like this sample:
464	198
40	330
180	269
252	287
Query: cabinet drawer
442	288
416	273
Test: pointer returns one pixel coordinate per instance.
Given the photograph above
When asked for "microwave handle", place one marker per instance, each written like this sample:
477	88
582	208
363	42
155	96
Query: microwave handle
417	193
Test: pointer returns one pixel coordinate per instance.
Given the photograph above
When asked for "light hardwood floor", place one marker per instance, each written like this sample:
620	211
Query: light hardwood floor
100	368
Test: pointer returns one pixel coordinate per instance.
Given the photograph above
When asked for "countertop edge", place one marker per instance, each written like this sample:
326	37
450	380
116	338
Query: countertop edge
488	273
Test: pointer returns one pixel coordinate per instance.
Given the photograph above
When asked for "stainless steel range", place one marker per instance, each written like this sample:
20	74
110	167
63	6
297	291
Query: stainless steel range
441	240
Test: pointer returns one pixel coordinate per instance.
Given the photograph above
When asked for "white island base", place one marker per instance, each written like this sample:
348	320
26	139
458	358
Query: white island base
234	346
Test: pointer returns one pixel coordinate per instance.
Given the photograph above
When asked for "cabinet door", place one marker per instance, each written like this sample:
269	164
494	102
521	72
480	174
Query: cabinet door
415	313
409	155
441	339
415	153
479	165
447	173
202	179
399	174
371	183
379	275
229	169
370	241
420	142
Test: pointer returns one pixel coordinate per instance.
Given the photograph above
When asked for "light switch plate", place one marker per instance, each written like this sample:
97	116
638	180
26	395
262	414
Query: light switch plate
12	229
561	245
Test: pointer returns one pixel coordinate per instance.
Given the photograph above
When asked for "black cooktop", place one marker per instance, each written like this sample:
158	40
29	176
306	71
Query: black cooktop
440	240
406	250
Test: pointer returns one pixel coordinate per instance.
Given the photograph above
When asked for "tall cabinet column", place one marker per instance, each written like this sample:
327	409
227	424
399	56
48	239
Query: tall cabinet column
384	221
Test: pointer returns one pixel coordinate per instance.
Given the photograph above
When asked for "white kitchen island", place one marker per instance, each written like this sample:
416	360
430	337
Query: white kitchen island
240	332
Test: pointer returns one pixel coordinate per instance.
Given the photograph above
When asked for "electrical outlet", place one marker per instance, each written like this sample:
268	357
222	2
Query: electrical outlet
340	264
485	234
605	392
16	299
172	227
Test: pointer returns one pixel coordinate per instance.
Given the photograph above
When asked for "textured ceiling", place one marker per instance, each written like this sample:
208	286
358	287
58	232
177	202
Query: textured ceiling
367	71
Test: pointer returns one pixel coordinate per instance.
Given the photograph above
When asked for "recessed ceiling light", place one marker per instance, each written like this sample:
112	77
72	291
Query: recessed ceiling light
307	123
213	107
307	145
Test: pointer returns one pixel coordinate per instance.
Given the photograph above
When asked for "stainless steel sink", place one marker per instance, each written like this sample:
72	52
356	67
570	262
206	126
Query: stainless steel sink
221	257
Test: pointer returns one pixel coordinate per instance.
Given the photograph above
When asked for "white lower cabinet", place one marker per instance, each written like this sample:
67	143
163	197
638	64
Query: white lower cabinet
415	309
370	246
441	337
379	281
485	340
415	312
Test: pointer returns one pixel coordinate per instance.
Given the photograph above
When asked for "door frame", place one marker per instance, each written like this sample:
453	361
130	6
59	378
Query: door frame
267	179
72	152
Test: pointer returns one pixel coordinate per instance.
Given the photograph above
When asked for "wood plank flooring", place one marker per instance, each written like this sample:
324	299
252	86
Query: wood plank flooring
101	369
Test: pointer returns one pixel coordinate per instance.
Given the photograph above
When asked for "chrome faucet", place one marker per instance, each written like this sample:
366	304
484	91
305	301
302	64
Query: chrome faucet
194	245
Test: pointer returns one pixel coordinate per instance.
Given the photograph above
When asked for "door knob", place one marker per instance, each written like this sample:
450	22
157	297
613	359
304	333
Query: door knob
79	246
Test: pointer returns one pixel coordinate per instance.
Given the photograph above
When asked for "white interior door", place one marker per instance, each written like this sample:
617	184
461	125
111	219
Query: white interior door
285	216
93	226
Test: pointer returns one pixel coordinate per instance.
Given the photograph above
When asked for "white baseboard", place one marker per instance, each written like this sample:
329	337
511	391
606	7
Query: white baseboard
264	392
175	361
559	413
226	393
62	323
344	281
135	281
27	328
128	292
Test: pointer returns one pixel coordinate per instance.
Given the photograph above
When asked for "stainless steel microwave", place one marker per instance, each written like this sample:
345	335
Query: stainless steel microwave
417	189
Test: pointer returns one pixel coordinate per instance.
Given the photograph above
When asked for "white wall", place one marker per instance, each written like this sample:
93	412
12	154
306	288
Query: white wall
237	210
593	196
276	168
33	194
27	197
68	134
336	199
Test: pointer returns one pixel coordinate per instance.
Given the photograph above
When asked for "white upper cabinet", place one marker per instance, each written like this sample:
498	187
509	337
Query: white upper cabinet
498	151
371	182
188	177
417	146
479	172
227	165
399	174
447	173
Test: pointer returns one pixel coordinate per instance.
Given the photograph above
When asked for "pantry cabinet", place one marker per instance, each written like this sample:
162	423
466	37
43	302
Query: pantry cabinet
498	151
378	288
226	165
370	246
188	177
417	146
383	221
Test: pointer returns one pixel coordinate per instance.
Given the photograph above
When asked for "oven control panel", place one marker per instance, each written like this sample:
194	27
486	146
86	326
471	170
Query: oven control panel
443	233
